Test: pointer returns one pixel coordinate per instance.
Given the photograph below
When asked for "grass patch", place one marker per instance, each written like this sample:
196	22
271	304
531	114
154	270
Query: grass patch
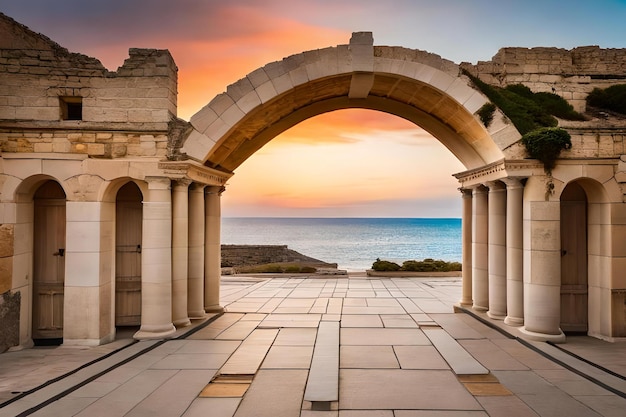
612	98
277	268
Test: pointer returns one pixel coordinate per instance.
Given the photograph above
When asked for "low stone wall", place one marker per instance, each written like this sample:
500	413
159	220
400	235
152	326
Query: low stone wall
250	255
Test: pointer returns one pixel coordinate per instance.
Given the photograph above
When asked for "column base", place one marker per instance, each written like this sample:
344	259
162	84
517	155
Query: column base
543	337
214	309
197	315
514	321
479	308
182	323
155	331
495	316
465	303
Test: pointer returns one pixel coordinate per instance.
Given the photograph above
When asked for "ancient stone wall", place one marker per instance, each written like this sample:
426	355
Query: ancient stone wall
572	74
38	77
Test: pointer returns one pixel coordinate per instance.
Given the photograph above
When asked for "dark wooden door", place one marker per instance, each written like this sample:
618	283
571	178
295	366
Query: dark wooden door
128	218
574	288
48	262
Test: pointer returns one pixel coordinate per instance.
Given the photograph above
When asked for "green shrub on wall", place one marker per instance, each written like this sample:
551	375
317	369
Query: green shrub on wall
612	98
546	144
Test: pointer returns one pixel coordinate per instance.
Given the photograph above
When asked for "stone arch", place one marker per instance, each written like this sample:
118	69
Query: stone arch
415	85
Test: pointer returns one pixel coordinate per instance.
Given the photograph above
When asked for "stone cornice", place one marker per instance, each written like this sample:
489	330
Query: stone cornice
499	170
194	172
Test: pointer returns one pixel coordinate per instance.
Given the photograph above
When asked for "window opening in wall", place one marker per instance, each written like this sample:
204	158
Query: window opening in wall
71	108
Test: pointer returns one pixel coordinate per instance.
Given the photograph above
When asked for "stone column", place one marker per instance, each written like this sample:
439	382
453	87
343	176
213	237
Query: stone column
195	289
480	254
156	262
466	233
542	263
497	250
180	251
212	250
514	252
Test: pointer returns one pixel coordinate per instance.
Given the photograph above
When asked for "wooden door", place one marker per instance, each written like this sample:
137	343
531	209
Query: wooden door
574	289
128	220
48	262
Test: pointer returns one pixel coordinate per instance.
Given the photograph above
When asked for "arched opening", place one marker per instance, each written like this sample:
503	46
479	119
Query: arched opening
128	235
349	163
574	260
48	263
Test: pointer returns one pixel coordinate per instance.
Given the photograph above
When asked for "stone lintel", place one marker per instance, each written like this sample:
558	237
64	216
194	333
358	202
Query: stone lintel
196	173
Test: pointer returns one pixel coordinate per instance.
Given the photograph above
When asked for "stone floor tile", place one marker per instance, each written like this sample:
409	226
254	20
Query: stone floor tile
214	407
398	321
67	406
248	357
288	357
373	310
491	356
455	327
408	305
317	413
419	357
439	413
298	302
174	396
382	302
124	398
192	361
335	306
294	336
210	346
253	317
432	306
323	380
355	302
95	389
365	413
403	389
238	331
274	393
361	320
571	383
291	320
612	406
364	357
331	317
461	362
377	337
510	406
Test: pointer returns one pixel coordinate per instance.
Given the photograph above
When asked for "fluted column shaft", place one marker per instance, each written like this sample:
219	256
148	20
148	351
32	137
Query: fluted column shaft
480	254
180	242
466	237
514	252
195	287
497	250
212	250
156	261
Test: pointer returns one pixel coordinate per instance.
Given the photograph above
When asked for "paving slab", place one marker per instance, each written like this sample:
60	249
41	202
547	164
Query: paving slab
323	380
461	362
214	407
295	336
364	357
361	320
274	393
248	357
403	389
491	355
288	357
419	357
377	337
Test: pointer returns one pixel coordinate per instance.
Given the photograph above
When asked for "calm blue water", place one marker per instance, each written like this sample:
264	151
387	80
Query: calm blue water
352	243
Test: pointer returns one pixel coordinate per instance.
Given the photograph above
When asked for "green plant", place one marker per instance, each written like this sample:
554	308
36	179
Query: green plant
385	266
486	113
612	98
546	144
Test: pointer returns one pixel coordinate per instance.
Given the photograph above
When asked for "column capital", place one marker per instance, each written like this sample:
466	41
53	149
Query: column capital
495	185
465	192
513	182
214	189
182	182
159	183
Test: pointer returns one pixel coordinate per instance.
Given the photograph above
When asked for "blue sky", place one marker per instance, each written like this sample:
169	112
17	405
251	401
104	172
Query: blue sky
335	165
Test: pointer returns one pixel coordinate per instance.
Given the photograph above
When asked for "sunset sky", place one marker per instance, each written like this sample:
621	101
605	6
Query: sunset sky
350	163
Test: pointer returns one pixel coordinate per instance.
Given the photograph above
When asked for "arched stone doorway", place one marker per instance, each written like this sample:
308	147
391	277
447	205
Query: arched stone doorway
574	260
49	219
128	238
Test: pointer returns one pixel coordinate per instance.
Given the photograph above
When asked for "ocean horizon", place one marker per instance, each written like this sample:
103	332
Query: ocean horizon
353	243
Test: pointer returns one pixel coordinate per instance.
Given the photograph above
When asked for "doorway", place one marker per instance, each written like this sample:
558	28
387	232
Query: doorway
48	264
128	233
574	286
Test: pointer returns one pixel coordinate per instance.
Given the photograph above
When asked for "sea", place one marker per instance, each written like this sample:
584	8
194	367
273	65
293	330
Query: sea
352	243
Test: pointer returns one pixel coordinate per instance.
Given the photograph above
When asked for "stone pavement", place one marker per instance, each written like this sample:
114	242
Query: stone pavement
324	347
